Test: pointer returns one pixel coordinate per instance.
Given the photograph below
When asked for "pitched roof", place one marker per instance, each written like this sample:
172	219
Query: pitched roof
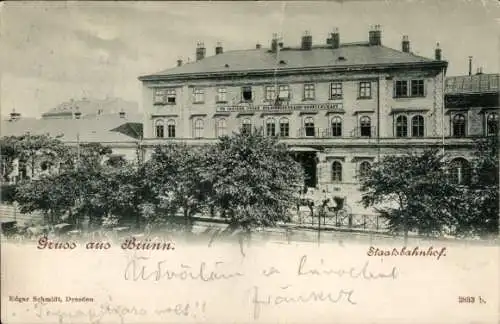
478	83
93	107
356	54
101	129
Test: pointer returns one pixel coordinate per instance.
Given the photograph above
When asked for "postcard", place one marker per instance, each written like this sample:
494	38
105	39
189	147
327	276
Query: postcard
249	162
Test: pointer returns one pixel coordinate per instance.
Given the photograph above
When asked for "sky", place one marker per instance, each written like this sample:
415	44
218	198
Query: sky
53	51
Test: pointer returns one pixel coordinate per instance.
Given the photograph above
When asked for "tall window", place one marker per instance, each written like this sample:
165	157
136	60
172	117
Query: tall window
417	126
401	88
221	94
364	168
460	171
401	126
459	125
284	127
492	124
309	91
270	93
159	129
271	127
417	88
221	127
336	171
171	128
199	95
246	126
336	126
309	126
246	93
336	90
365	90
198	128
365	125
283	92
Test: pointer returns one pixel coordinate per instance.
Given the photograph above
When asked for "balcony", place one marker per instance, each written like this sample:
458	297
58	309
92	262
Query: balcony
315	132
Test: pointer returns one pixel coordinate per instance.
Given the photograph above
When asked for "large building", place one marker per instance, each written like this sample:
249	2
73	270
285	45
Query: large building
339	106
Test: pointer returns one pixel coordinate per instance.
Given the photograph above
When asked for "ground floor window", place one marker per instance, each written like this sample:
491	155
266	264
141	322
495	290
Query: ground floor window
460	172
171	128
336	171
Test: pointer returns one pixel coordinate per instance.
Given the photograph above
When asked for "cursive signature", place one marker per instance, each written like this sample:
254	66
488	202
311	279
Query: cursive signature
136	270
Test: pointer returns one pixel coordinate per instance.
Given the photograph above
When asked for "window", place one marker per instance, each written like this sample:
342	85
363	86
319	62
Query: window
401	88
171	128
199	95
336	171
365	90
401	126
459	125
336	126
365	126
198	128
309	126
364	168
221	127
246	126
284	127
492	124
270	127
417	88
164	96
221	95
336	90
246	93
417	126
283	92
159	129
309	91
270	93
460	171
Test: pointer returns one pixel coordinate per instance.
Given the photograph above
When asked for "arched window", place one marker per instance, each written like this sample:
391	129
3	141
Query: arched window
401	126
417	126
364	168
198	128
284	127
460	171
459	125
492	124
309	126
336	171
246	126
365	125
271	127
159	129
171	128
336	126
221	127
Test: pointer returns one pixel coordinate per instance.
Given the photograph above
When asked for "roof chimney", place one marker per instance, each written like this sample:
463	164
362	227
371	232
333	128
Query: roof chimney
218	49
437	53
274	43
200	51
375	36
179	62
14	115
335	38
257	46
306	43
405	44
122	114
479	70
77	113
470	65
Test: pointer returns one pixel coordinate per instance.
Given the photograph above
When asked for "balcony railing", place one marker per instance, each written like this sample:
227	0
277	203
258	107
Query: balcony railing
315	132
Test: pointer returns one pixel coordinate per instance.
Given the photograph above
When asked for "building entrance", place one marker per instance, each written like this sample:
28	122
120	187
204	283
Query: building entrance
308	162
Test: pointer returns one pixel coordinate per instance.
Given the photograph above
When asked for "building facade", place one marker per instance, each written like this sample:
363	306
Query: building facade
338	106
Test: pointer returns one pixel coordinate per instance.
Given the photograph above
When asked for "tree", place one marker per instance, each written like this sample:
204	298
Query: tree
253	180
9	152
174	179
409	190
